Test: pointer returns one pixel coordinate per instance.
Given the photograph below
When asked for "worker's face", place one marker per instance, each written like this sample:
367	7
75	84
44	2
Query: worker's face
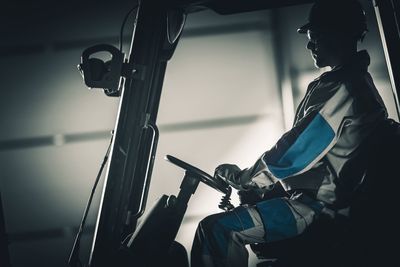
323	48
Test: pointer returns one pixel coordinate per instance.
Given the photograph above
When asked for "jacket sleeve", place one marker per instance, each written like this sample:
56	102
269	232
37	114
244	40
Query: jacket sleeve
306	143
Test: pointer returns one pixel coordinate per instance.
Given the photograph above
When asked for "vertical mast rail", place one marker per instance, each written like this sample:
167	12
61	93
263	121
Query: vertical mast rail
128	175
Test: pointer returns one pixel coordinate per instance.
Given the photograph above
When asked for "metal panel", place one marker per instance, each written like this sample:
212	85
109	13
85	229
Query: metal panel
236	6
4	254
388	17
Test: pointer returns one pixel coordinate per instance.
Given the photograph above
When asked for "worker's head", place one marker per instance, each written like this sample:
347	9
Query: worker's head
334	27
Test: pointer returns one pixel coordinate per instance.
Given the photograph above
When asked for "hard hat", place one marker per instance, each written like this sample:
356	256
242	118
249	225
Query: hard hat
336	16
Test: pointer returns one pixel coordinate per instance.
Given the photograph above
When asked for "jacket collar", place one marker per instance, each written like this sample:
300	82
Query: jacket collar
357	64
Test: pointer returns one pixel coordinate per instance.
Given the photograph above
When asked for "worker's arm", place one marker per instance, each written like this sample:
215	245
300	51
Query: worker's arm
306	143
301	147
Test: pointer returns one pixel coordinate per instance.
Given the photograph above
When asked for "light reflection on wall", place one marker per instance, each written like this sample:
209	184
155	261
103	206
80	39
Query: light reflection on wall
217	76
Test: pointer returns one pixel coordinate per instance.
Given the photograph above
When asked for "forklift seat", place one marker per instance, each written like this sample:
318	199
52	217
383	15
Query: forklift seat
367	235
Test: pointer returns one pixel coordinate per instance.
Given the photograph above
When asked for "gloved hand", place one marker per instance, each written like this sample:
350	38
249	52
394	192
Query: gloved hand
250	197
234	176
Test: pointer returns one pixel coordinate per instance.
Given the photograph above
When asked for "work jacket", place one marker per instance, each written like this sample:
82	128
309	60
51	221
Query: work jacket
324	152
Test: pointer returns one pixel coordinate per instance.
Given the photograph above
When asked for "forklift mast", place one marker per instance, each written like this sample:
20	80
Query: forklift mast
133	149
135	135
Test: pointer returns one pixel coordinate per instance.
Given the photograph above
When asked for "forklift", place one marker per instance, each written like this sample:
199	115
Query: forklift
137	79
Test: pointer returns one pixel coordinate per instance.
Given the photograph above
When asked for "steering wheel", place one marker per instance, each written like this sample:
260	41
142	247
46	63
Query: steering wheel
214	182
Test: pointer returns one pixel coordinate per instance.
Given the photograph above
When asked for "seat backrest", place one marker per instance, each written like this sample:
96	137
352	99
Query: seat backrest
380	181
373	218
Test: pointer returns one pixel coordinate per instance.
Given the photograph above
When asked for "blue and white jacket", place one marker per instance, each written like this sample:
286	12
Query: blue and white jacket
322	153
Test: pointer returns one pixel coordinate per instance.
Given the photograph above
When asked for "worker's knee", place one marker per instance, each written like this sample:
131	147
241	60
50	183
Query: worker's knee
207	224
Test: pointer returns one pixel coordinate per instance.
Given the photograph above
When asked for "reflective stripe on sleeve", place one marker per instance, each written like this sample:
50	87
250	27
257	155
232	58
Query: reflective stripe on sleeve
315	140
310	143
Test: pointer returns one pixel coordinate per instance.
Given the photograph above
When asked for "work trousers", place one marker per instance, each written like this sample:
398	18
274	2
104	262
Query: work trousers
221	238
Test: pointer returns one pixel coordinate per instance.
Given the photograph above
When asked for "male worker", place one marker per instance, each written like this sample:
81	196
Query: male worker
318	161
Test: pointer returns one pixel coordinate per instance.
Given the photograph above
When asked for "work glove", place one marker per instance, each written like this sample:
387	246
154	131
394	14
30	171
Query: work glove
250	197
234	176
